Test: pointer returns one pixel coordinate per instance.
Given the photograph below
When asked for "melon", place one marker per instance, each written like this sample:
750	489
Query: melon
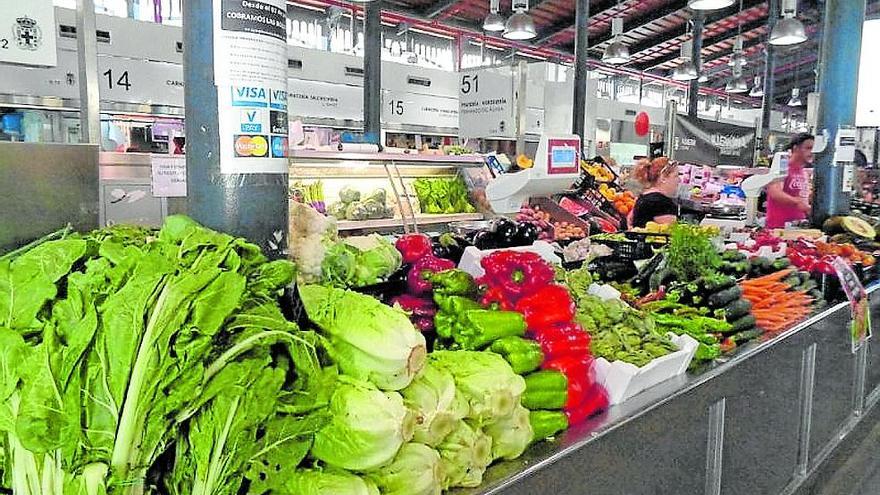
858	227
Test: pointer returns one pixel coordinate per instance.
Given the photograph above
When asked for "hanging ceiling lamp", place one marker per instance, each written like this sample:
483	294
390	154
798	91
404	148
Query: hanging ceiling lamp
788	30
795	100
494	22
709	4
738	84
616	52
737	59
686	71
520	26
757	88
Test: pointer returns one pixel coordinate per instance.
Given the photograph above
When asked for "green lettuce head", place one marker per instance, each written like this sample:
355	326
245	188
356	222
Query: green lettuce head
416	470
465	454
315	482
485	380
436	403
510	435
368	340
367	427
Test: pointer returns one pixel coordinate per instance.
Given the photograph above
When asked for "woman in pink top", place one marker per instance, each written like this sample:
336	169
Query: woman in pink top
788	198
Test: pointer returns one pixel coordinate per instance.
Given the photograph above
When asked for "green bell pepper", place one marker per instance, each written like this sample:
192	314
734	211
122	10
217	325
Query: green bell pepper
523	355
545	390
546	424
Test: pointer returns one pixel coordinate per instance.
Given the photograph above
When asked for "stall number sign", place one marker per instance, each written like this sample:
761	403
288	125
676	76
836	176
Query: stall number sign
418	109
486	104
27	32
860	330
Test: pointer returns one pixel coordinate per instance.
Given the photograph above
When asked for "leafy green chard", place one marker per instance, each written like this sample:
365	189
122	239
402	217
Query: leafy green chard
150	329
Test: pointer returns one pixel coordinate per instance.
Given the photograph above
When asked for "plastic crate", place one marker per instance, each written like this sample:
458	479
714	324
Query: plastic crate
629	250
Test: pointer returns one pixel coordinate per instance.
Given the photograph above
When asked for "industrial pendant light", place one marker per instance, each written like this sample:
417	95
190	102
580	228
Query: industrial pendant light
757	89
788	30
795	100
686	71
737	59
494	22
616	52
520	26
709	4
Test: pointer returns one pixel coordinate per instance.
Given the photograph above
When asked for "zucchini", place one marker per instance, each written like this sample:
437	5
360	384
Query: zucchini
746	335
725	297
737	309
744	323
780	264
733	255
715	283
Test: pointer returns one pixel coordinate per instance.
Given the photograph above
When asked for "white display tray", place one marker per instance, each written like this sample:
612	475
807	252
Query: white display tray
624	380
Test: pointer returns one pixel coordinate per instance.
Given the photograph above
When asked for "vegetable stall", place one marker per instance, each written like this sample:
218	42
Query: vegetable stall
182	361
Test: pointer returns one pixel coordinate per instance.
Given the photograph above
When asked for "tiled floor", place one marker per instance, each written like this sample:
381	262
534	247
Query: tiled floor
854	467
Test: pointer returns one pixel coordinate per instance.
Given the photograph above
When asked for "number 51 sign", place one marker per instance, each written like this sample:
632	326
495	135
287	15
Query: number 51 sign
486	103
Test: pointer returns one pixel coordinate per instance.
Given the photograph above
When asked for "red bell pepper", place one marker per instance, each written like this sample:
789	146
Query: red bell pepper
517	273
416	306
595	401
495	298
547	306
413	247
579	371
563	339
418	280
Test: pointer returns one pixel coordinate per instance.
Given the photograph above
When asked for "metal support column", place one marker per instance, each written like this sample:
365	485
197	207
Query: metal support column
839	69
581	70
87	56
696	59
373	71
252	205
769	70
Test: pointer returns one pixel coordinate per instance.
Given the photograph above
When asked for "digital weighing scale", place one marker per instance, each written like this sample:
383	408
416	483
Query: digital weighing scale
557	166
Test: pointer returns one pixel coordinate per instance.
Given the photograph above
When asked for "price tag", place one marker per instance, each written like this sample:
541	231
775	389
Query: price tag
168	173
860	330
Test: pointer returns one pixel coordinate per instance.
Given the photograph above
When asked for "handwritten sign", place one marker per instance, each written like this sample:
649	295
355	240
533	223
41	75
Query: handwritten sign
168	174
858	300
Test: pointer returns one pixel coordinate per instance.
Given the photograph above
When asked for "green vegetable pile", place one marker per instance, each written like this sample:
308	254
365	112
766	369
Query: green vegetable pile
359	261
443	195
403	421
619	332
690	253
352	206
123	344
135	361
672	316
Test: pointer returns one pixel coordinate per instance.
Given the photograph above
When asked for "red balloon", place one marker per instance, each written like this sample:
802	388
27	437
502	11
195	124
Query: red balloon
642	124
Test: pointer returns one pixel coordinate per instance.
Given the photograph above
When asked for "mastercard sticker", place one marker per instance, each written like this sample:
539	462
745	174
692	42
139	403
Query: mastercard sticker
251	146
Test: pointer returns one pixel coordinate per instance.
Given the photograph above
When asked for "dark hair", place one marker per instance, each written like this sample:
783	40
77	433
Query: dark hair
800	139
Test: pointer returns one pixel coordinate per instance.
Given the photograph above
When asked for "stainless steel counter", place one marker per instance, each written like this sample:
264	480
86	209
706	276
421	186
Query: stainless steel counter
758	423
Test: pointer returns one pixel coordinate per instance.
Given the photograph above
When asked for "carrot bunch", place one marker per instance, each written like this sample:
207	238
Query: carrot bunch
774	305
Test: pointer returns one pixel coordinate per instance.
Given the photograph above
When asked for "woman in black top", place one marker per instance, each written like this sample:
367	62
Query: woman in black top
655	204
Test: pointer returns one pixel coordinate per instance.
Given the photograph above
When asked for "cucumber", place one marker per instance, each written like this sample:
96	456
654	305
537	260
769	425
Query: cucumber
725	297
737	309
744	323
746	335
